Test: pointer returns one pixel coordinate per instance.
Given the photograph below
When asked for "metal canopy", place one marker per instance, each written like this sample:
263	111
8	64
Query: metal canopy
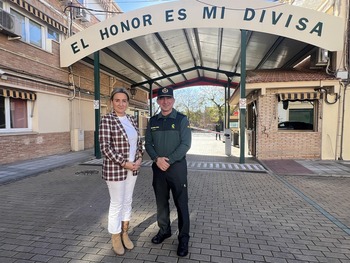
188	57
201	43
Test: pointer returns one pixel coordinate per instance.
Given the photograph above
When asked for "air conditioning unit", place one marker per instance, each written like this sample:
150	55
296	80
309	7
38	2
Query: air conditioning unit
319	58
9	24
81	14
65	2
86	16
77	12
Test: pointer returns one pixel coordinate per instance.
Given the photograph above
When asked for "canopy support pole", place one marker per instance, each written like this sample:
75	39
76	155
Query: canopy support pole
150	99
242	101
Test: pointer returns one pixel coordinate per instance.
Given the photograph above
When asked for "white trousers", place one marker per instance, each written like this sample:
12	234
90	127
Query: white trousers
120	206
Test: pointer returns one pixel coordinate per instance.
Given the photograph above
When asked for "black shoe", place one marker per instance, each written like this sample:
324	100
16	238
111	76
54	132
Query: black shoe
182	249
159	238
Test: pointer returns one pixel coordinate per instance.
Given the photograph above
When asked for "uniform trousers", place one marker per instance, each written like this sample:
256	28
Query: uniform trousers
120	206
175	180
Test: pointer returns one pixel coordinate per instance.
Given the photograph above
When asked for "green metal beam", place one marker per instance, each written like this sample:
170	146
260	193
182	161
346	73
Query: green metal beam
229	80
227	73
242	101
97	103
225	108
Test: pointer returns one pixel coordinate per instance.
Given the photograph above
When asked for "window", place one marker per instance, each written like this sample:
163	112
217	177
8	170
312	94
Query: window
35	34
53	34
251	116
2	113
297	115
21	19
234	124
32	32
14	114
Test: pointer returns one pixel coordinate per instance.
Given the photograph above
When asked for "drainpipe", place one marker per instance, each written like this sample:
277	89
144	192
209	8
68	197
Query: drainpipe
342	124
71	82
347	82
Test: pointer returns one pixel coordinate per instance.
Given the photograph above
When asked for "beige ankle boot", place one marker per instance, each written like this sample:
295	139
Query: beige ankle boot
117	244
125	237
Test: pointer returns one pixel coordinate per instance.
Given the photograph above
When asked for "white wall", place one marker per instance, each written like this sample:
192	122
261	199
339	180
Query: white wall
330	130
51	114
83	114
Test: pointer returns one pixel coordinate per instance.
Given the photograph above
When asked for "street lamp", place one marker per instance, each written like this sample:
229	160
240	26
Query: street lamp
133	91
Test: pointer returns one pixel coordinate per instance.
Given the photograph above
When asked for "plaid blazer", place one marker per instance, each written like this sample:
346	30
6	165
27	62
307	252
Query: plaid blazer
115	147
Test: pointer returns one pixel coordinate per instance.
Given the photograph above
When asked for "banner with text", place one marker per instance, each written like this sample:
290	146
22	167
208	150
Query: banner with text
306	25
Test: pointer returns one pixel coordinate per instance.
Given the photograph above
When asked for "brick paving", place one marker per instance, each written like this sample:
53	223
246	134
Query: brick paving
60	215
331	193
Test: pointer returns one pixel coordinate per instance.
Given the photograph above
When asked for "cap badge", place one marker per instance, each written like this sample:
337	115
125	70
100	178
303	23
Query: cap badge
165	90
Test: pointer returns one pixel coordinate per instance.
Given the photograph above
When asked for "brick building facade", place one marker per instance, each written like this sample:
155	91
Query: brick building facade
43	105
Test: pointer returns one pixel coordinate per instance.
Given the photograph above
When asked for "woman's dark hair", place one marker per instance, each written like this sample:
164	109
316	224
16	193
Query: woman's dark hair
120	90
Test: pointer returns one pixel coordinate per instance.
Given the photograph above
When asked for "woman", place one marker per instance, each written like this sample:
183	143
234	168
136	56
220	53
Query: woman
122	151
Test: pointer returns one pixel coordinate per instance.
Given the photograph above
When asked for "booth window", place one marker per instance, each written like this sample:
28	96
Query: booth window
298	111
15	109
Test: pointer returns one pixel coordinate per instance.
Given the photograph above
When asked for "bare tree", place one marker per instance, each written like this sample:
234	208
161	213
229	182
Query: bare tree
217	96
190	102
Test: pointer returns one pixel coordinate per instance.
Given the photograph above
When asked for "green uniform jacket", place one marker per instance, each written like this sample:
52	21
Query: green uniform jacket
168	136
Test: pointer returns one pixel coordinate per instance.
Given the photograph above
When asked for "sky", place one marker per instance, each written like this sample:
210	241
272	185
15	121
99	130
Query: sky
128	5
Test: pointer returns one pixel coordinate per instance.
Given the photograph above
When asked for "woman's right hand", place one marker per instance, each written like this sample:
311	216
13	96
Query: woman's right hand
136	165
132	166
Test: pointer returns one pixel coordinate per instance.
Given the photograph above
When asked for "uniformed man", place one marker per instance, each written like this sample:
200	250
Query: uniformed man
168	138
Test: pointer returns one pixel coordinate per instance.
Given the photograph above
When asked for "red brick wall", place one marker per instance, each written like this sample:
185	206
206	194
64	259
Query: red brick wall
24	58
274	144
89	139
30	146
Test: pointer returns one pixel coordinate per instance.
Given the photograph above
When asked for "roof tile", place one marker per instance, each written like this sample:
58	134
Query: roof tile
280	75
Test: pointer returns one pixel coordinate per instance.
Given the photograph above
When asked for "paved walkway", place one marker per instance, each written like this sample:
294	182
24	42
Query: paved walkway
60	214
18	170
308	167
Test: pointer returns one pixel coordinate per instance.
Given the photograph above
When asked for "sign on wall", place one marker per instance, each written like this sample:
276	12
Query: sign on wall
306	25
